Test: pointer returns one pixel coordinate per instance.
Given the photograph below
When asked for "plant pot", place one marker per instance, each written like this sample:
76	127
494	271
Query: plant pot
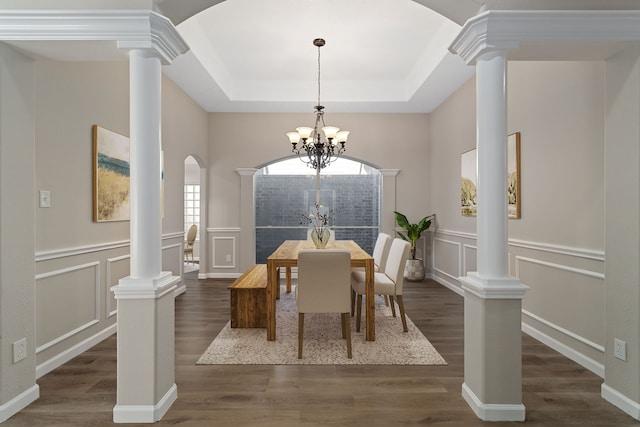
414	270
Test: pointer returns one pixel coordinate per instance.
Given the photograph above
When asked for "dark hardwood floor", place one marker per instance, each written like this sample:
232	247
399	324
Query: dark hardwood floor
557	392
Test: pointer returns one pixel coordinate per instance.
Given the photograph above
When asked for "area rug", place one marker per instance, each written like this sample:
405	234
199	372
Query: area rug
323	343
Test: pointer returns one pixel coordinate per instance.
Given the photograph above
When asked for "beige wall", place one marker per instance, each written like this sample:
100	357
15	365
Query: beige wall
622	224
78	260
557	247
387	141
17	158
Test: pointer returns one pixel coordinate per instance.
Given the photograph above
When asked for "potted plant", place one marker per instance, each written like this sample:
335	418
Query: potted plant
414	270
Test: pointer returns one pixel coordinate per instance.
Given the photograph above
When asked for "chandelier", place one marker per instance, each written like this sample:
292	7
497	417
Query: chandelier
316	150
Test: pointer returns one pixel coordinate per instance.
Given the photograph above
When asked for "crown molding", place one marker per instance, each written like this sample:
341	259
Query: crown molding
506	30
129	29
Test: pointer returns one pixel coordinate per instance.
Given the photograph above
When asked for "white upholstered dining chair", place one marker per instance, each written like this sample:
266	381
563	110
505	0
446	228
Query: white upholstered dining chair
324	286
388	283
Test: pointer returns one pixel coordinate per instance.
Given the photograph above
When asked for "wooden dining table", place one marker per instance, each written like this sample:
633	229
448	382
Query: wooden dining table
287	256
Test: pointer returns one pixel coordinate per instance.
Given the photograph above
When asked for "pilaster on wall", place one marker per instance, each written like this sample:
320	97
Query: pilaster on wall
247	248
388	200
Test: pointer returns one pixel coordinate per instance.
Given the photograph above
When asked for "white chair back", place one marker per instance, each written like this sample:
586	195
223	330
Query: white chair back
394	267
324	281
381	251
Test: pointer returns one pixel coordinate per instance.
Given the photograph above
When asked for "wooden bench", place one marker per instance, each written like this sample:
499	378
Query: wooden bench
249	298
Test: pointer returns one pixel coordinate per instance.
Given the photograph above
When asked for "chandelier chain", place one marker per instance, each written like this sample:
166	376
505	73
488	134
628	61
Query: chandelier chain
318	75
318	152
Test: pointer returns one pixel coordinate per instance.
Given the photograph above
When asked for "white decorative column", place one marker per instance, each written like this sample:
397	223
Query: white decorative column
146	386
493	300
247	218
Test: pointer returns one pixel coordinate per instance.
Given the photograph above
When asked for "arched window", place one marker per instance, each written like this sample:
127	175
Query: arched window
285	190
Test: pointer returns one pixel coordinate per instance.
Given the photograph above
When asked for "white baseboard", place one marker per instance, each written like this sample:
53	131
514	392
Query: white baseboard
493	411
222	275
19	402
180	290
145	413
62	358
457	289
620	401
570	353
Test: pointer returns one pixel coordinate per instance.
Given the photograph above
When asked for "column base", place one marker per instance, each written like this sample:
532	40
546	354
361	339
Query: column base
490	411
493	287
145	413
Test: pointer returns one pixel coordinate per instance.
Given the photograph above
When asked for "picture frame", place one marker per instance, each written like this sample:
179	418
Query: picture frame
469	179
513	175
111	181
469	182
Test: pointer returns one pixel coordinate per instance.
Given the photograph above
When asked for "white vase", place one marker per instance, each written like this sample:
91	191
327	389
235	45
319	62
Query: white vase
320	241
414	270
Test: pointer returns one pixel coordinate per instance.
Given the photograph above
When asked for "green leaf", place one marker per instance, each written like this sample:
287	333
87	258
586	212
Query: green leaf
402	220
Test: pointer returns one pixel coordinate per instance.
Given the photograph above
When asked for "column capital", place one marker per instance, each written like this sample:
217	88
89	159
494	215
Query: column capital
389	172
129	29
528	30
246	171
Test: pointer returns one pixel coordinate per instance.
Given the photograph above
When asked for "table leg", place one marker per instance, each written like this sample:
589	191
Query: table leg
272	282
370	298
288	279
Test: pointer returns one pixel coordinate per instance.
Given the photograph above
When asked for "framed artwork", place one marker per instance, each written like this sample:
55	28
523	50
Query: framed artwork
469	179
468	182
111	181
513	174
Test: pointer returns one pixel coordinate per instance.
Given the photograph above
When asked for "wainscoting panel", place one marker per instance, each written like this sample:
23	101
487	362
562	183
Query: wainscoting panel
75	307
77	291
225	251
564	307
447	261
117	268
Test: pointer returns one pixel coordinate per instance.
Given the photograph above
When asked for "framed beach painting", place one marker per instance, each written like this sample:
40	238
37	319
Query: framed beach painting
111	182
469	179
468	182
513	174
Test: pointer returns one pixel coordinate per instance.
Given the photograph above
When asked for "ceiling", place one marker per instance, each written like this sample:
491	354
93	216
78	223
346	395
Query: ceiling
258	56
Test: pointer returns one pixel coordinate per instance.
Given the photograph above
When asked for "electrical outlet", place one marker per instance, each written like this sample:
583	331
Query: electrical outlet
620	349
19	350
228	258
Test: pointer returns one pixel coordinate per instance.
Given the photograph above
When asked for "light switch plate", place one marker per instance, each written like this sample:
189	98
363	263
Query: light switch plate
45	199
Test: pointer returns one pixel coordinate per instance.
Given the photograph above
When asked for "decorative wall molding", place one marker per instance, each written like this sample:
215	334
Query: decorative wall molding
505	30
87	249
467	240
68	354
130	29
233	252
109	282
80	328
537	246
464	269
437	269
581	271
223	230
590	364
589	343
